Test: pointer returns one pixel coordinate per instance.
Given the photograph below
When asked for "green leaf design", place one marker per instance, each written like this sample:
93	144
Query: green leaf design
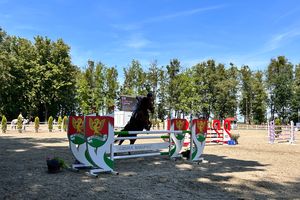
180	136
95	141
172	151
77	139
88	157
200	138
194	153
108	161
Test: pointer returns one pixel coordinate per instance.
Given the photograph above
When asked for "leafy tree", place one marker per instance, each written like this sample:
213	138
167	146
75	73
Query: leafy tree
186	92
111	87
99	87
135	80
259	107
18	57
295	107
279	83
162	95
83	93
152	83
247	97
205	77
172	72
86	89
226	96
54	77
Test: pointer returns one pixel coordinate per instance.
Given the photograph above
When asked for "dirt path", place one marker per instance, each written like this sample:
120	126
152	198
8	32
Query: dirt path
253	169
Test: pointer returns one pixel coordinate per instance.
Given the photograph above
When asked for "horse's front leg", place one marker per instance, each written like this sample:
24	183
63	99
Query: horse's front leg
132	141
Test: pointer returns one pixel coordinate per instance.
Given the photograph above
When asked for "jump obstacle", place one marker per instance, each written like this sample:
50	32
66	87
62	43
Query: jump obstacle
215	134
285	133
218	135
91	141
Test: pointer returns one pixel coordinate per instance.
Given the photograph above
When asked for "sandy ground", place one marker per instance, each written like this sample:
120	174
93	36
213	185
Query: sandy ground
253	169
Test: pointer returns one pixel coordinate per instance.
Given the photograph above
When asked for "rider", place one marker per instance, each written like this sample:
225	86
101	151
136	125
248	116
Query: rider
142	99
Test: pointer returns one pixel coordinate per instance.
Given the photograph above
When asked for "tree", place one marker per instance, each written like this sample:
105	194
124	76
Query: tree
226	95
295	107
279	83
162	95
111	87
205	78
54	78
135	80
86	88
259	99
185	92
152	79
172	71
99	87
247	97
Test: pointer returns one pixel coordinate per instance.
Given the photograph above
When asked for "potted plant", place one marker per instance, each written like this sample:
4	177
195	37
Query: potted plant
4	124
235	137
65	123
36	124
50	124
55	164
19	124
59	122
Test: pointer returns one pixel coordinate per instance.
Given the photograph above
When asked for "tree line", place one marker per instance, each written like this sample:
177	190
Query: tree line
38	78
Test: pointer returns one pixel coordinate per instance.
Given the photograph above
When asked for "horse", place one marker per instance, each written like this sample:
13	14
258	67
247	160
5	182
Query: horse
14	123
140	117
24	123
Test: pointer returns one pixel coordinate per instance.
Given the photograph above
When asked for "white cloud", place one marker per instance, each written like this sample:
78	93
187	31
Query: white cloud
138	25
181	14
279	40
137	41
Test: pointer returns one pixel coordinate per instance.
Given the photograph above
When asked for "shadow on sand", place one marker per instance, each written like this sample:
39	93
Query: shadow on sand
23	173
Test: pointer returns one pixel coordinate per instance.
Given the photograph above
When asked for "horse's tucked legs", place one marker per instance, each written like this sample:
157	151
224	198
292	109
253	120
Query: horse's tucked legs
132	141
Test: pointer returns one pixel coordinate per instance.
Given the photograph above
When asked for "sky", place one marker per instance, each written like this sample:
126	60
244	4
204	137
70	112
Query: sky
244	32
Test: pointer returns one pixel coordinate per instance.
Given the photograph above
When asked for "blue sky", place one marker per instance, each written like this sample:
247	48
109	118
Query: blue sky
245	32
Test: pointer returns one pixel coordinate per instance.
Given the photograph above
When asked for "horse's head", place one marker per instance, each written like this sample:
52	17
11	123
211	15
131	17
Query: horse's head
150	102
146	104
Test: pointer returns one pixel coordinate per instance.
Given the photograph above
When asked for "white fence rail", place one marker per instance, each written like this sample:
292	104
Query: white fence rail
30	127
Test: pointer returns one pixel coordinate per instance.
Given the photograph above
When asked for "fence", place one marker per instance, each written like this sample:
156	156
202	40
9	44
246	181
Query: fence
30	127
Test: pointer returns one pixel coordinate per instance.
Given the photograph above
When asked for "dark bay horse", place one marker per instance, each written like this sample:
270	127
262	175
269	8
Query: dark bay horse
140	117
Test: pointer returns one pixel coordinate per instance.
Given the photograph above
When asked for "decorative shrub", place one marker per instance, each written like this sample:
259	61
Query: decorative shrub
65	123
36	124
19	124
4	124
277	127
59	122
50	124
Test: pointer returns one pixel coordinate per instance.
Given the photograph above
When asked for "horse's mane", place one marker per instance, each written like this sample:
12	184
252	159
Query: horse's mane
144	104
